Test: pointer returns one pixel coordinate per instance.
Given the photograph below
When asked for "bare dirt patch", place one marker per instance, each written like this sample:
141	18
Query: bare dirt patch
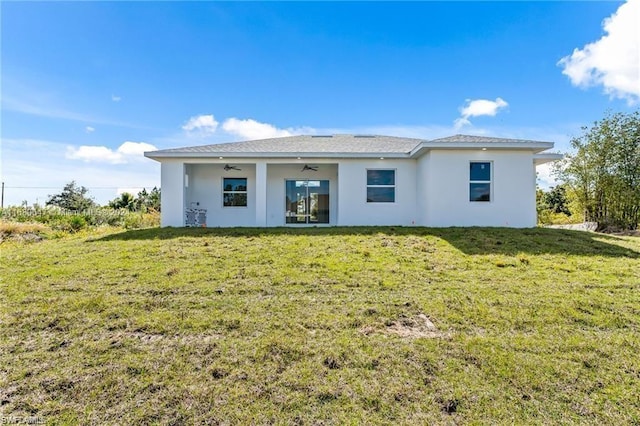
417	327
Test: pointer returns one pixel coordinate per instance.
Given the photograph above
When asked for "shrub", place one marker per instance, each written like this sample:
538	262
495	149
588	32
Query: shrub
133	221
70	221
76	223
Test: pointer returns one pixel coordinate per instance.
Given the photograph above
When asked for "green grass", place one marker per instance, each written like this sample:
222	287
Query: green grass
292	326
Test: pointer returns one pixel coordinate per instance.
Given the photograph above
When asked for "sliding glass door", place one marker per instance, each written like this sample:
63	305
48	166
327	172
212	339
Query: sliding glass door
307	201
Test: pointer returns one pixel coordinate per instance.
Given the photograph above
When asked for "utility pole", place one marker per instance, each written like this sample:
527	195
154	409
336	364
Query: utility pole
2	199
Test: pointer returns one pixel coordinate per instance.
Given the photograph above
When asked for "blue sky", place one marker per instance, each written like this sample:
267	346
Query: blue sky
87	87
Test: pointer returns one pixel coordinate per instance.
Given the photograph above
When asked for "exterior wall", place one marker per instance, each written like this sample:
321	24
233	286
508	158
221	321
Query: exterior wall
432	190
277	174
447	195
422	186
172	200
261	193
353	208
205	192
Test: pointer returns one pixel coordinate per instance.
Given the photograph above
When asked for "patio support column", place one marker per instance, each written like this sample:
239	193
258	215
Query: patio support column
172	200
261	193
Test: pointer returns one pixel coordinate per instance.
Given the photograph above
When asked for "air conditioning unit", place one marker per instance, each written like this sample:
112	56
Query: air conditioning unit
196	217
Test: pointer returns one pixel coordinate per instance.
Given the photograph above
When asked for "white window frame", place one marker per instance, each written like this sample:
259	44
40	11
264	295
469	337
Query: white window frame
490	181
246	192
395	176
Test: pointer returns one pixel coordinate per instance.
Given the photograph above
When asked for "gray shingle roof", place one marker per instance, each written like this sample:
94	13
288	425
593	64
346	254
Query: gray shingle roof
341	145
308	144
480	139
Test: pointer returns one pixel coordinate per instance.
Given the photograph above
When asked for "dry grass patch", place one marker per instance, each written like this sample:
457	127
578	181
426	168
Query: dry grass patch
22	231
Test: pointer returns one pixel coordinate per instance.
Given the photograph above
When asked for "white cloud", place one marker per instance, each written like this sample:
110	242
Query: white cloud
89	129
115	98
202	125
125	153
477	108
94	153
613	61
34	177
132	149
244	129
252	129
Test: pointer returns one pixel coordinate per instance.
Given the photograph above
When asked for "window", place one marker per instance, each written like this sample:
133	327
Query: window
234	192
381	186
479	181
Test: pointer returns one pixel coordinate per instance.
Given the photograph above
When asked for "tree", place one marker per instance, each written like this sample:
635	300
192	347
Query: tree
72	197
556	200
148	200
144	202
124	201
604	171
541	206
553	206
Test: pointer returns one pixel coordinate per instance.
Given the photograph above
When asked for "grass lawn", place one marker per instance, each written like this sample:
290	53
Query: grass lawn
322	326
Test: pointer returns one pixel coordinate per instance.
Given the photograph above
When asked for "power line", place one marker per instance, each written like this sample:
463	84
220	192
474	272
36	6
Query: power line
88	187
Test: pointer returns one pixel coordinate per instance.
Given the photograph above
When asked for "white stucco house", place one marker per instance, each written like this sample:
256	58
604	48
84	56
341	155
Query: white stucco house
345	180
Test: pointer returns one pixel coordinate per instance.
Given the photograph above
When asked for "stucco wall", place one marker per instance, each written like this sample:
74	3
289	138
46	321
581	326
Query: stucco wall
172	200
422	186
277	174
205	188
430	191
447	195
353	208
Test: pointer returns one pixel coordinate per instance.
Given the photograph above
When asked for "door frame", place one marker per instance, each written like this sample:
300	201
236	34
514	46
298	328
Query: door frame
307	213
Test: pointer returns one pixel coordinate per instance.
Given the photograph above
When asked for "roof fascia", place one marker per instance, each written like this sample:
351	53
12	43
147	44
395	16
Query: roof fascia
427	146
157	155
539	159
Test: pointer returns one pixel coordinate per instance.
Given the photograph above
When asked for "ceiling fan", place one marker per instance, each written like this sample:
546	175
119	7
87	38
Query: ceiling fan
308	167
228	167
